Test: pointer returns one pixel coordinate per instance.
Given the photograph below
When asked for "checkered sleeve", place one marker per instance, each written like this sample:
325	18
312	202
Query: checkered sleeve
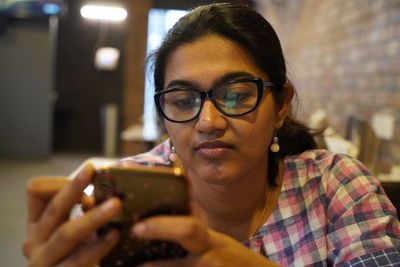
363	229
158	156
384	258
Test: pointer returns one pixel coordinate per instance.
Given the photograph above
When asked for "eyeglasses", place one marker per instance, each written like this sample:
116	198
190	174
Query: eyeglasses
233	99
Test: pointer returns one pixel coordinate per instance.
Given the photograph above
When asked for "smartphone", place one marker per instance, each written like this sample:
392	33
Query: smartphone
144	192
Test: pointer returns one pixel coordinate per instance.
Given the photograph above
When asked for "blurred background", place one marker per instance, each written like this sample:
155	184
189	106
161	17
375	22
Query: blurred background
75	84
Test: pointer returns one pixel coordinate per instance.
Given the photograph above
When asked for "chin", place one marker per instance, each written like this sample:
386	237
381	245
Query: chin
213	176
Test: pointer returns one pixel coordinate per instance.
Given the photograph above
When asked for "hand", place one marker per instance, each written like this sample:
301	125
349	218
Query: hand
55	240
206	247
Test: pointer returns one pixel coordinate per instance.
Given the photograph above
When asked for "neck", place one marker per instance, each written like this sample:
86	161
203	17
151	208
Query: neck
234	209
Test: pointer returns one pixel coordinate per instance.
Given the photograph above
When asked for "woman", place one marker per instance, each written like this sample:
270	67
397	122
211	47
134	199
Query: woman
262	196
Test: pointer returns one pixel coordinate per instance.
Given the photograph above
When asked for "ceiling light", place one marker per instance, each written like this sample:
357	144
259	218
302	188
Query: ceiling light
106	58
99	12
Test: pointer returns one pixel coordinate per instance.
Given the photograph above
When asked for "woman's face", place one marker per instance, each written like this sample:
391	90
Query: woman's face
213	147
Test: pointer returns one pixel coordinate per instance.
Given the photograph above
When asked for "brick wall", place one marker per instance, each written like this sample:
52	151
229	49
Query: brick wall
344	57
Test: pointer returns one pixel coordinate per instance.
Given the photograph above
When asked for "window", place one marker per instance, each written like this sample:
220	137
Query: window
160	21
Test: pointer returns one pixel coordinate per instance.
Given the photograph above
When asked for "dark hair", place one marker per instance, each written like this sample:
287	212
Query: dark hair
251	31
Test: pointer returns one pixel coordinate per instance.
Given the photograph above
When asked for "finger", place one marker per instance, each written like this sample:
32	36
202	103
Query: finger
91	254
59	208
185	230
88	202
40	190
189	261
69	235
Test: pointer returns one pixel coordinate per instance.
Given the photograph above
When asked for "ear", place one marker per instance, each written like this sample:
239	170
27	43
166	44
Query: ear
284	104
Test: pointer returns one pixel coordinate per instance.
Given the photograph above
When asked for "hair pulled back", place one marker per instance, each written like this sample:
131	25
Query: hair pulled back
253	33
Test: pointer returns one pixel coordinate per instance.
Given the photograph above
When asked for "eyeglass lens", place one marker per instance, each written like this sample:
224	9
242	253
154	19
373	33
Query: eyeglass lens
231	99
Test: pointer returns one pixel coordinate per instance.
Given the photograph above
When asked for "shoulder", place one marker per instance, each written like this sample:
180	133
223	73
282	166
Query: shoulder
325	165
317	158
157	156
338	179
359	218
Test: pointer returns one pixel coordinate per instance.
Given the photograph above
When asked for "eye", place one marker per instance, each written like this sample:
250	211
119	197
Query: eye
183	102
181	99
237	96
237	92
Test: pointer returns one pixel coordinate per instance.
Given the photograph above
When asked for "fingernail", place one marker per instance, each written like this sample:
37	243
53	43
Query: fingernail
109	204
84	173
138	229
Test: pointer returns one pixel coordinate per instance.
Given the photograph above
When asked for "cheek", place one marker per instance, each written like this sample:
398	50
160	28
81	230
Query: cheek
179	133
259	133
259	136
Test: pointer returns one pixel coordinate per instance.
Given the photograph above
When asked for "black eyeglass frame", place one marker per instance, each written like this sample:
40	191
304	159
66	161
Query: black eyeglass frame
261	84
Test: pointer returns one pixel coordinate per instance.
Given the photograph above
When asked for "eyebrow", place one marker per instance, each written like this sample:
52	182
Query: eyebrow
221	80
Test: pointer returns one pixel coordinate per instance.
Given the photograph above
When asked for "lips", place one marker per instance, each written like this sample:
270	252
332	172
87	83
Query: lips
213	150
213	144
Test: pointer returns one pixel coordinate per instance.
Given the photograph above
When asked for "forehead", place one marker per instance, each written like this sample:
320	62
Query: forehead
207	59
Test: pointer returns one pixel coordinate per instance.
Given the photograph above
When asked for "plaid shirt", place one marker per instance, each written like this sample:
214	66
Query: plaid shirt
331	212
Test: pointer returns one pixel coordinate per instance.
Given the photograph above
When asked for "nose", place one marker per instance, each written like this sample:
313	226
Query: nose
210	119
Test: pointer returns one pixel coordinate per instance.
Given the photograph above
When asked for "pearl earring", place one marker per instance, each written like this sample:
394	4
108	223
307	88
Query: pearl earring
173	156
275	146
